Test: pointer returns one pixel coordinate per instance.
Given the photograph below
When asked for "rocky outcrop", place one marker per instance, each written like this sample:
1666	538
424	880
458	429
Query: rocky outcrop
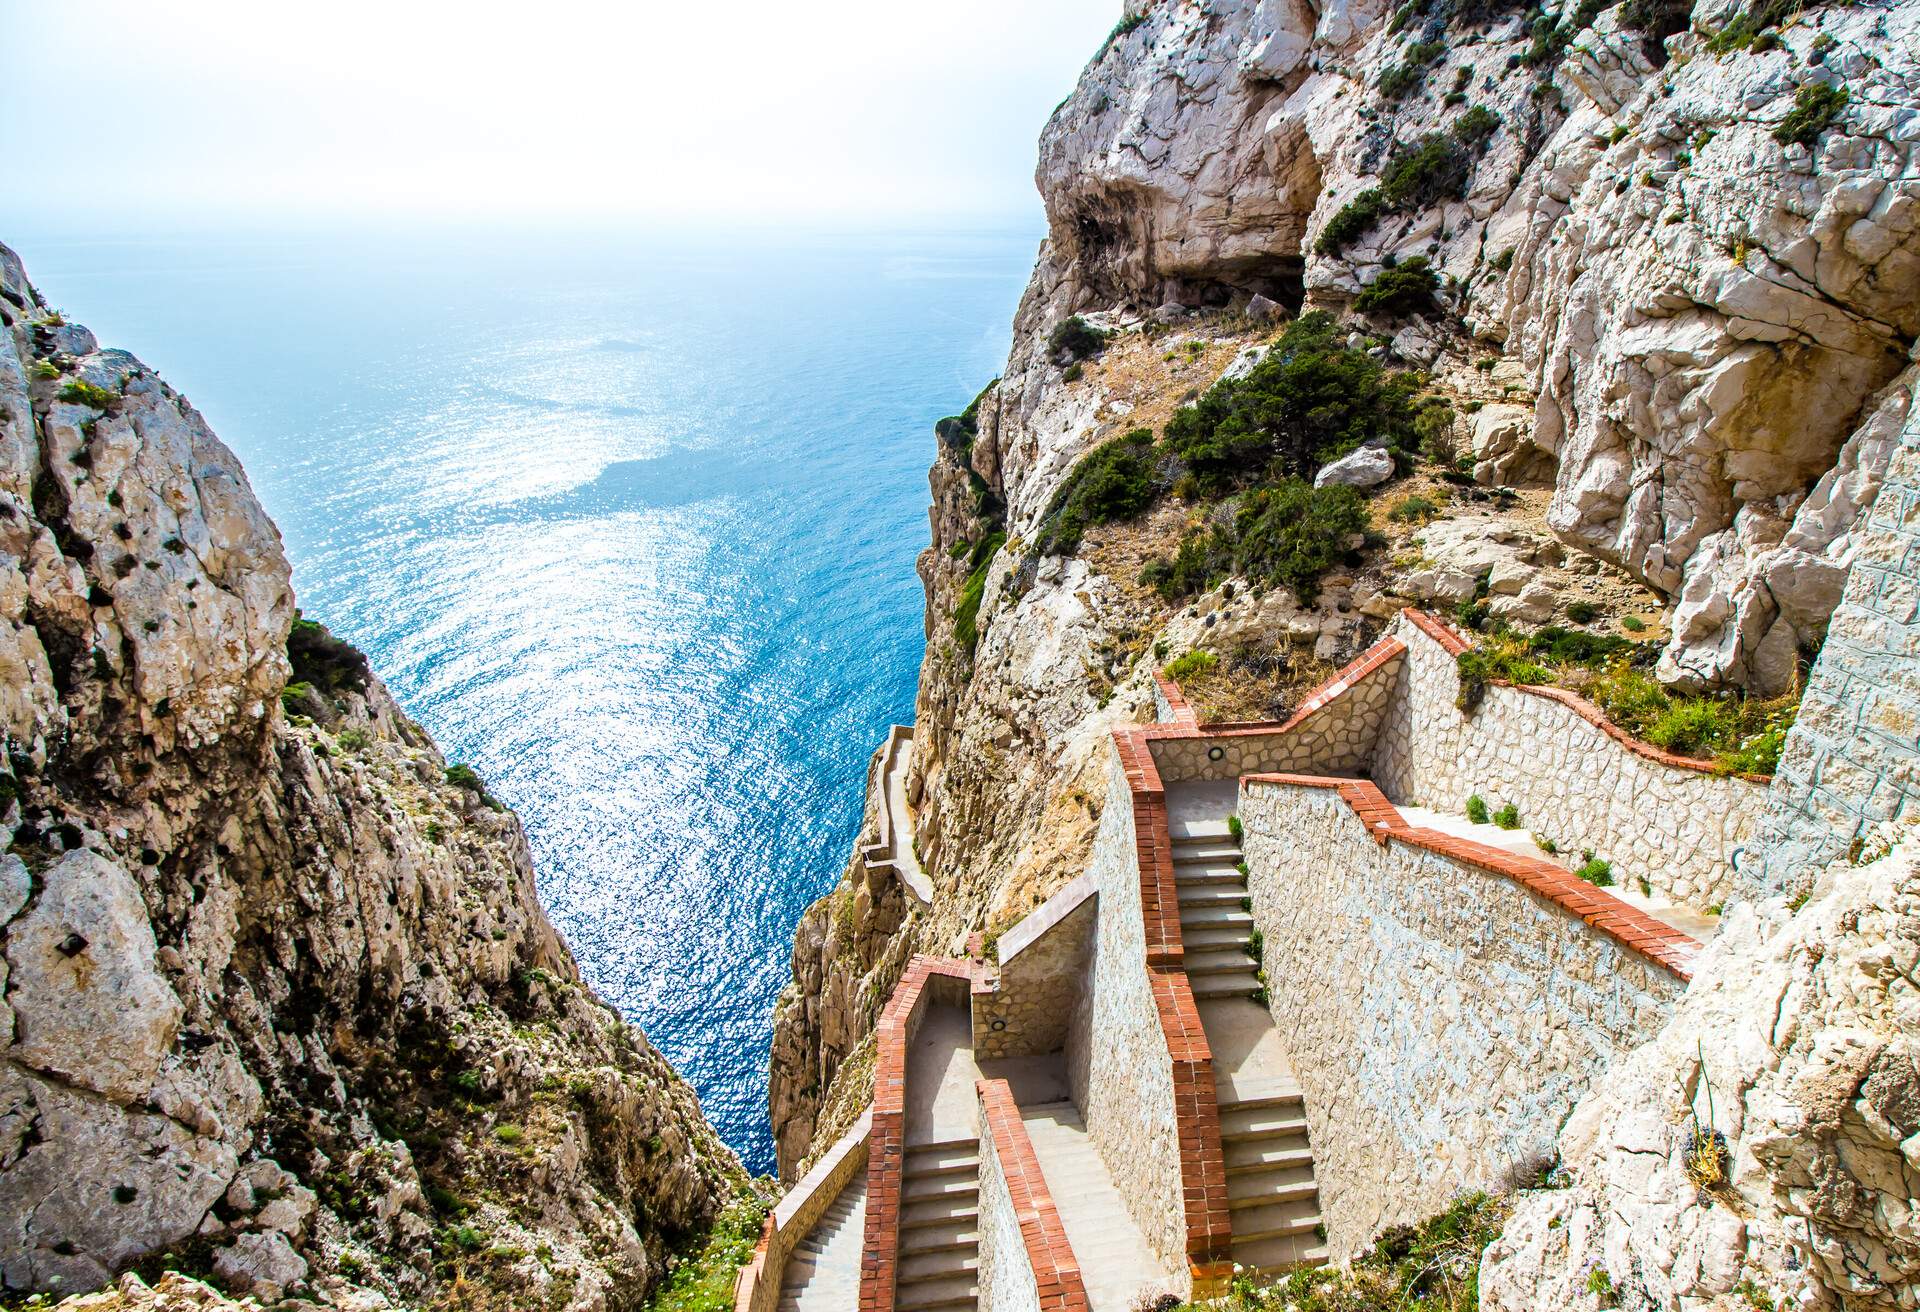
1765	1140
280	1004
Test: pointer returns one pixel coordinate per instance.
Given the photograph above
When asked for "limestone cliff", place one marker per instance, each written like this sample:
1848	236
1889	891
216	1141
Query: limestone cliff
1677	259
280	1003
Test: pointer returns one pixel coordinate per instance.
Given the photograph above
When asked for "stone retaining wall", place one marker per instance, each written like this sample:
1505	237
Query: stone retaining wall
1026	1263
1441	1018
1853	757
1657	818
1028	1007
1333	732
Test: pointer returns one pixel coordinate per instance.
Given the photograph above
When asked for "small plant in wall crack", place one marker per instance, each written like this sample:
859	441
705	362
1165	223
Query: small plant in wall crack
1477	809
1596	872
1507	817
1234	828
1256	943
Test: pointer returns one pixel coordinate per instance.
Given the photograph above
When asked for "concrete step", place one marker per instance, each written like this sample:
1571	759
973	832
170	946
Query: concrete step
1211	895
1203	937
945	1188
939	1211
1185	875
1286	1186
925	1164
942	1147
1239	985
1298	1217
926	1268
922	1296
1258	1156
1218	961
1287	1095
1216	916
1222	853
1244	1124
1281	1252
1202	831
948	1237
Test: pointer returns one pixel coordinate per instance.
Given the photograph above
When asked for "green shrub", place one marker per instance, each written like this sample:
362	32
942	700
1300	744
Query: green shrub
1477	810
1189	664
1815	107
1545	844
1596	872
320	659
1507	817
1574	647
1412	71
1310	399
461	775
1235	828
959	431
1633	624
1406	288
1581	612
1753	26
509	1134
1072	373
1076	338
1290	534
1413	509
45	370
1433	169
966	614
354	740
1490	661
82	392
1114	481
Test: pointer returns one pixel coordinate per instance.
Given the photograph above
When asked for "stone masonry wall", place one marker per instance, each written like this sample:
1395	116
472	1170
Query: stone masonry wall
1332	734
1852	757
1029	1008
1442	1020
1004	1275
1118	1066
1676	828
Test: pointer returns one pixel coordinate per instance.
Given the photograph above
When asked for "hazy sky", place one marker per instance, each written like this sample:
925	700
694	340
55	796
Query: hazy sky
131	111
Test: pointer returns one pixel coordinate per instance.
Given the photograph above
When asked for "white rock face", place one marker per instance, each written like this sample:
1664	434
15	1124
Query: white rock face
1702	314
1797	1045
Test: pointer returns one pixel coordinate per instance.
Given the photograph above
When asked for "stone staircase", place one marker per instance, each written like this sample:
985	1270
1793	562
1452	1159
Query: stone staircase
1215	926
1263	1122
823	1275
1270	1183
939	1236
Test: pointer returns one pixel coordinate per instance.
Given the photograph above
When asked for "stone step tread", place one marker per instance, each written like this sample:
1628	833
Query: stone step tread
921	1268
939	1211
951	1162
1211	938
1300	1217
956	1288
971	1146
1246	1191
1216	960
1226	986
1229	916
1210	877
1258	1156
919	1302
1287	1095
939	1186
1262	1124
937	1239
1210	830
1188	852
1207	895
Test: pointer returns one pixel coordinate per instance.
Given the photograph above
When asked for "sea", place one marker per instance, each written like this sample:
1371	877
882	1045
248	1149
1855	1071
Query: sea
626	518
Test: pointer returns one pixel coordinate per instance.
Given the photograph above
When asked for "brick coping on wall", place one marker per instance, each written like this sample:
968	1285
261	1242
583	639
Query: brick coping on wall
1453	642
1187	724
1620	920
887	1140
1056	1271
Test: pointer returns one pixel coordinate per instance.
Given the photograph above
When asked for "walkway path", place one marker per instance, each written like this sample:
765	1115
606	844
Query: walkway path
1116	1264
823	1275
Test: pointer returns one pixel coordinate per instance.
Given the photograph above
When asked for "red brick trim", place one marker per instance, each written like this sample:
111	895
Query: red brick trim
1056	1271
748	1280
1454	643
1177	704
1658	942
887	1143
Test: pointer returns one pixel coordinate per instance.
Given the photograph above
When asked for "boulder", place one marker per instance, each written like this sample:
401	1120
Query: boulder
1264	309
1370	466
262	1264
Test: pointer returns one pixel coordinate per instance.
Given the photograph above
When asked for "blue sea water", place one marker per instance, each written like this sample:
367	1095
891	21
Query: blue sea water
626	520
